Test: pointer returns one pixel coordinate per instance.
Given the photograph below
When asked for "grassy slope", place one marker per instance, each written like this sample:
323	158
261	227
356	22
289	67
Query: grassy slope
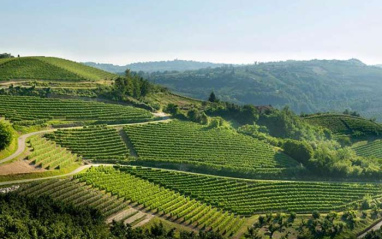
49	68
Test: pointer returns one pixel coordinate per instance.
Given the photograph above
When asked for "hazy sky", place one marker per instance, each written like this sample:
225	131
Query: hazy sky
237	31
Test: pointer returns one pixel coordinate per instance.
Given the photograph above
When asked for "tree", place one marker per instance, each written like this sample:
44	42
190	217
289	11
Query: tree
212	97
5	136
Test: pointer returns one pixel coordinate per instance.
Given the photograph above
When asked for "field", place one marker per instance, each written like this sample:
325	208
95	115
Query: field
77	193
185	142
46	154
49	68
97	143
345	124
31	110
370	149
162	201
246	197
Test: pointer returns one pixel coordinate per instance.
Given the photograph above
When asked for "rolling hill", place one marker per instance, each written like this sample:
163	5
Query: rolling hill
306	86
153	66
49	68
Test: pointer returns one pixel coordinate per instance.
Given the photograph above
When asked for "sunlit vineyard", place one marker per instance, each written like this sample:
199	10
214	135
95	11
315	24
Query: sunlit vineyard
76	192
345	124
370	149
46	154
32	68
22	108
249	196
96	143
185	142
49	68
81	70
162	201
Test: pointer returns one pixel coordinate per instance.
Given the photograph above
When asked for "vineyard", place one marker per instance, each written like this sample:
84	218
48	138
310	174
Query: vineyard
77	193
86	72
98	143
46	154
27	108
49	68
162	201
185	142
371	149
247	197
345	124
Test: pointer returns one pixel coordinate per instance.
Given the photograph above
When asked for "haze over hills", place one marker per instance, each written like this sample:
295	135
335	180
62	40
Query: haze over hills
306	86
152	66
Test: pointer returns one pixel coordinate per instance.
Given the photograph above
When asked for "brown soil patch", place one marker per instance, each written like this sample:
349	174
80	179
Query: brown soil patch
19	166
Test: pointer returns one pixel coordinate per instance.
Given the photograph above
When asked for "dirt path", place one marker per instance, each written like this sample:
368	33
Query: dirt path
22	139
127	142
373	228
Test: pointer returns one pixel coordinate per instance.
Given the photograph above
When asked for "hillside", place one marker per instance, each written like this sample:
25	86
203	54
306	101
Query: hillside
306	86
153	66
49	68
346	124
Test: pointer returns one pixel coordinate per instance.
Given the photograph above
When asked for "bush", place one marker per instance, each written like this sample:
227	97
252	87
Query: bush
5	136
299	150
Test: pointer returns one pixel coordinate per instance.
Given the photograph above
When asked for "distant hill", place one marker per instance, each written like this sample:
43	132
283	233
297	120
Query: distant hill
306	86
49	68
153	66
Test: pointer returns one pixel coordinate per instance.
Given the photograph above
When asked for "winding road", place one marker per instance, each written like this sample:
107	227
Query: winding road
22	145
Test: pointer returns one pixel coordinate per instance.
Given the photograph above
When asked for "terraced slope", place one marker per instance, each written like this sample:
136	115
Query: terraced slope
191	143
98	143
49	68
345	124
248	197
27	108
371	149
162	201
78	193
46	154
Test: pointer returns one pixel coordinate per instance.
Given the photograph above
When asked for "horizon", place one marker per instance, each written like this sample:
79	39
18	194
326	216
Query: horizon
124	32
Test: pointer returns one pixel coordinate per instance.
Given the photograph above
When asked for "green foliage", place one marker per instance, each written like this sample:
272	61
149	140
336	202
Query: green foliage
76	193
299	150
131	85
346	124
306	86
371	149
20	108
6	55
247	197
46	154
285	124
212	98
163	201
97	143
5	135
85	72
31	217
209	146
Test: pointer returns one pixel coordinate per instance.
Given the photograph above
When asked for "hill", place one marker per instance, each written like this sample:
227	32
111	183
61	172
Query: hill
346	124
306	86
153	66
49	68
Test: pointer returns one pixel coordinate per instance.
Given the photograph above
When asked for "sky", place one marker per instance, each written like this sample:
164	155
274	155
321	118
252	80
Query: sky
240	32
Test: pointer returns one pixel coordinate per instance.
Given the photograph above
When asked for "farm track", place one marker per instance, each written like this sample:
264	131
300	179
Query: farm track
22	139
